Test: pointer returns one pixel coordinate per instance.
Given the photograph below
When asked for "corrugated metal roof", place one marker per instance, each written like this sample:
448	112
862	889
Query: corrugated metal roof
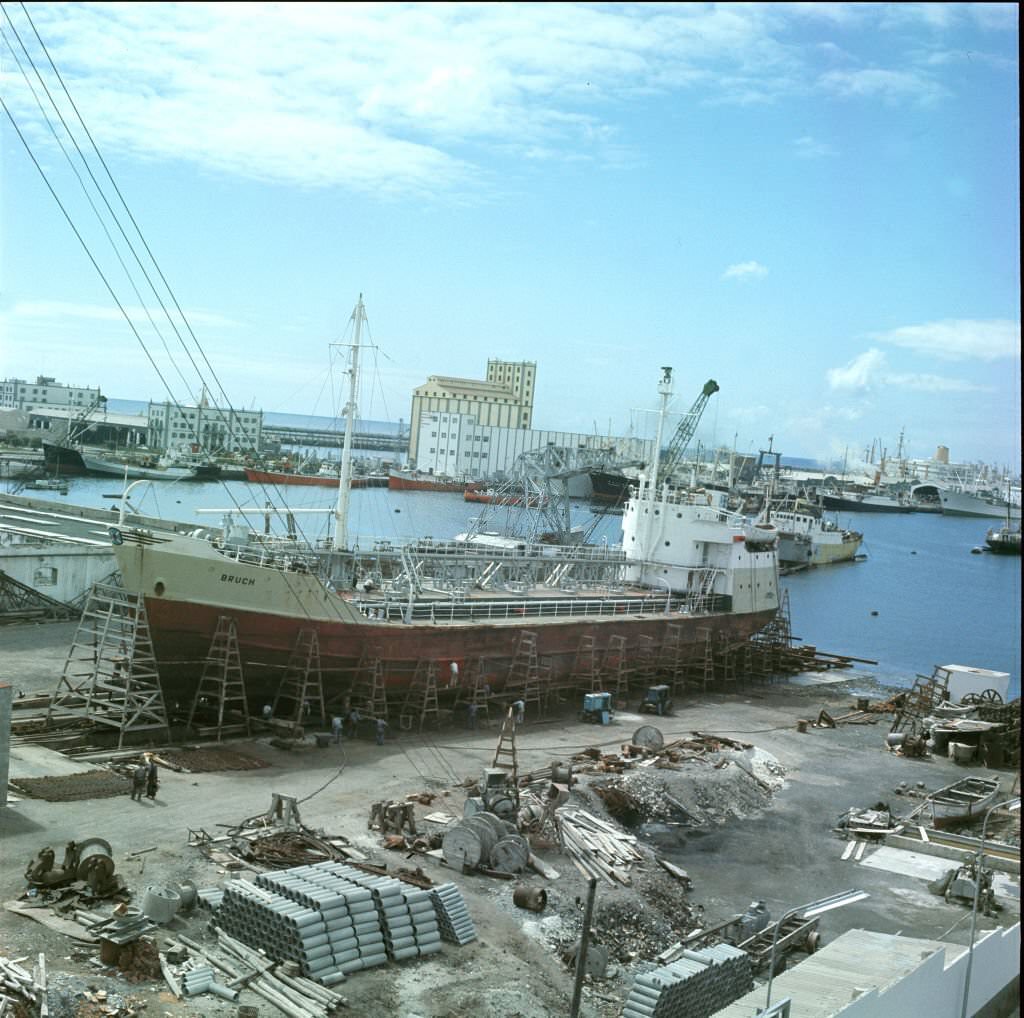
838	973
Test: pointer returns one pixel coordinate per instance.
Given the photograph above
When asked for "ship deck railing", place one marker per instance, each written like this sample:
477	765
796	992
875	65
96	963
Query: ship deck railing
282	553
498	610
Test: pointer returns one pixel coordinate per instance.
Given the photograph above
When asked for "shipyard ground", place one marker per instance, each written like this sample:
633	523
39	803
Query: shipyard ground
785	854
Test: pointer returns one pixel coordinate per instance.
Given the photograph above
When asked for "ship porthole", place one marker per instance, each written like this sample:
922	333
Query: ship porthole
158	588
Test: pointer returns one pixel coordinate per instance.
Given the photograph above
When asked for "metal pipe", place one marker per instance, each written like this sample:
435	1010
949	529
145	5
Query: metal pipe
581	954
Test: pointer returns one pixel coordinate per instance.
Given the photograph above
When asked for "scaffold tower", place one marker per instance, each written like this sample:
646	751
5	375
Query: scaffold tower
221	689
110	675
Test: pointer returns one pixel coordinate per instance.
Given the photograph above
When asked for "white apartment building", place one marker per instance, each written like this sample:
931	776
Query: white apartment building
504	400
44	392
210	428
457	445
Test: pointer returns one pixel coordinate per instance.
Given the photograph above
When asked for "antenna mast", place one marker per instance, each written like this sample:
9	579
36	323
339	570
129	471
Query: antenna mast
345	479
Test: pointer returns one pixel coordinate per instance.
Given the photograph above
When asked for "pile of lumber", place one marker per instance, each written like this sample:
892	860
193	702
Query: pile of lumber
18	986
597	849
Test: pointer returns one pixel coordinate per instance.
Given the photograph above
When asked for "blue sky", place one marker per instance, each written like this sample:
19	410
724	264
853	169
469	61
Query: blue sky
815	204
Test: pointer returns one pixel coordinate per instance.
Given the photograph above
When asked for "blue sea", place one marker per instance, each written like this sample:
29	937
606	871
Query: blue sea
919	598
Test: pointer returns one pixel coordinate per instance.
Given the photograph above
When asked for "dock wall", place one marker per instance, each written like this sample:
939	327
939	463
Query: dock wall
63	572
935	988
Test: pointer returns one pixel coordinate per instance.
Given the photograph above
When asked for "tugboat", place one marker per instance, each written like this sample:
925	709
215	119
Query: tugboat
1004	540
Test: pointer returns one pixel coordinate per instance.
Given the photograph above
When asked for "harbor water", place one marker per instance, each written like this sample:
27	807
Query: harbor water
918	598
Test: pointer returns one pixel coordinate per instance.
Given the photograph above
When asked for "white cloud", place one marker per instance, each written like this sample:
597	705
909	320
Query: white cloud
871	369
959	339
860	373
933	383
745	270
891	86
810	148
412	99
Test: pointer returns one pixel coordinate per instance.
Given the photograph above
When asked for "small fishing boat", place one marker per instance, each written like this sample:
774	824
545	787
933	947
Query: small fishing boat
968	797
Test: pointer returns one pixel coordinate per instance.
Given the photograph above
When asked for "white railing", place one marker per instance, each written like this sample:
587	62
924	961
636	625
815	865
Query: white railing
493	610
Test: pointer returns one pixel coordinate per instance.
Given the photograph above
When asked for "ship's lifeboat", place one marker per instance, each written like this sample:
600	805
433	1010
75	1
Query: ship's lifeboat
762	537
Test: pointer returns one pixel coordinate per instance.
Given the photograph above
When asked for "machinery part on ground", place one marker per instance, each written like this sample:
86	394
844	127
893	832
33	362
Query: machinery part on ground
532	898
461	846
90	860
510	854
989	696
160	904
649	737
498	794
188	894
95	863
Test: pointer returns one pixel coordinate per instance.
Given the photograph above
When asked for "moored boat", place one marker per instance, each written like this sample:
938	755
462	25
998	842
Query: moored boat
490	496
411	480
865	502
609	485
1004	540
985	505
64	460
806	538
320	479
151	470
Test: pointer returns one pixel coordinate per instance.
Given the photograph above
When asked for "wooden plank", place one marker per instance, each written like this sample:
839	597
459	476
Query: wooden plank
48	919
848	851
924	834
860	851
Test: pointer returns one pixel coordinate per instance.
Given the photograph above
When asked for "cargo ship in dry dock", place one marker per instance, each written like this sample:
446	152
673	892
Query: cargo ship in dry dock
684	569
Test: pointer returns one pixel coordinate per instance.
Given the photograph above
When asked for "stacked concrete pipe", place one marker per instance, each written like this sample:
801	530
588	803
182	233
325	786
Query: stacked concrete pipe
698	984
330	919
453	917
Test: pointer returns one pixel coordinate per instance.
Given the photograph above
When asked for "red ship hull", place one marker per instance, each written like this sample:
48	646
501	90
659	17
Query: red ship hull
317	480
182	634
409	482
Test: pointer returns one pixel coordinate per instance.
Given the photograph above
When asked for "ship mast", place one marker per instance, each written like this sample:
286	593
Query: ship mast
345	479
665	391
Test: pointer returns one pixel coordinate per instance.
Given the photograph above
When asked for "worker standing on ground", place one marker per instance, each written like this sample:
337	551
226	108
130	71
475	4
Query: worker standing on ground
472	717
381	726
152	777
453	674
138	782
353	723
520	708
336	729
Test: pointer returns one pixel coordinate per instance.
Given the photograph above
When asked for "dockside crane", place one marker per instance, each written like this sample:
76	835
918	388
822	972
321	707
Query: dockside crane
687	426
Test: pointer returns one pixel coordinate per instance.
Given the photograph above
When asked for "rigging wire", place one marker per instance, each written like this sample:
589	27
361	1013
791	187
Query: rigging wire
89	254
81	182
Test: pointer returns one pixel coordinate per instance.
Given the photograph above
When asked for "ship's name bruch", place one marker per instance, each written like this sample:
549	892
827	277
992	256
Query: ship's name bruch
245	581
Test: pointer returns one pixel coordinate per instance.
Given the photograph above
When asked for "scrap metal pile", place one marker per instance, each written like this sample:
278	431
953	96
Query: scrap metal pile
649	749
